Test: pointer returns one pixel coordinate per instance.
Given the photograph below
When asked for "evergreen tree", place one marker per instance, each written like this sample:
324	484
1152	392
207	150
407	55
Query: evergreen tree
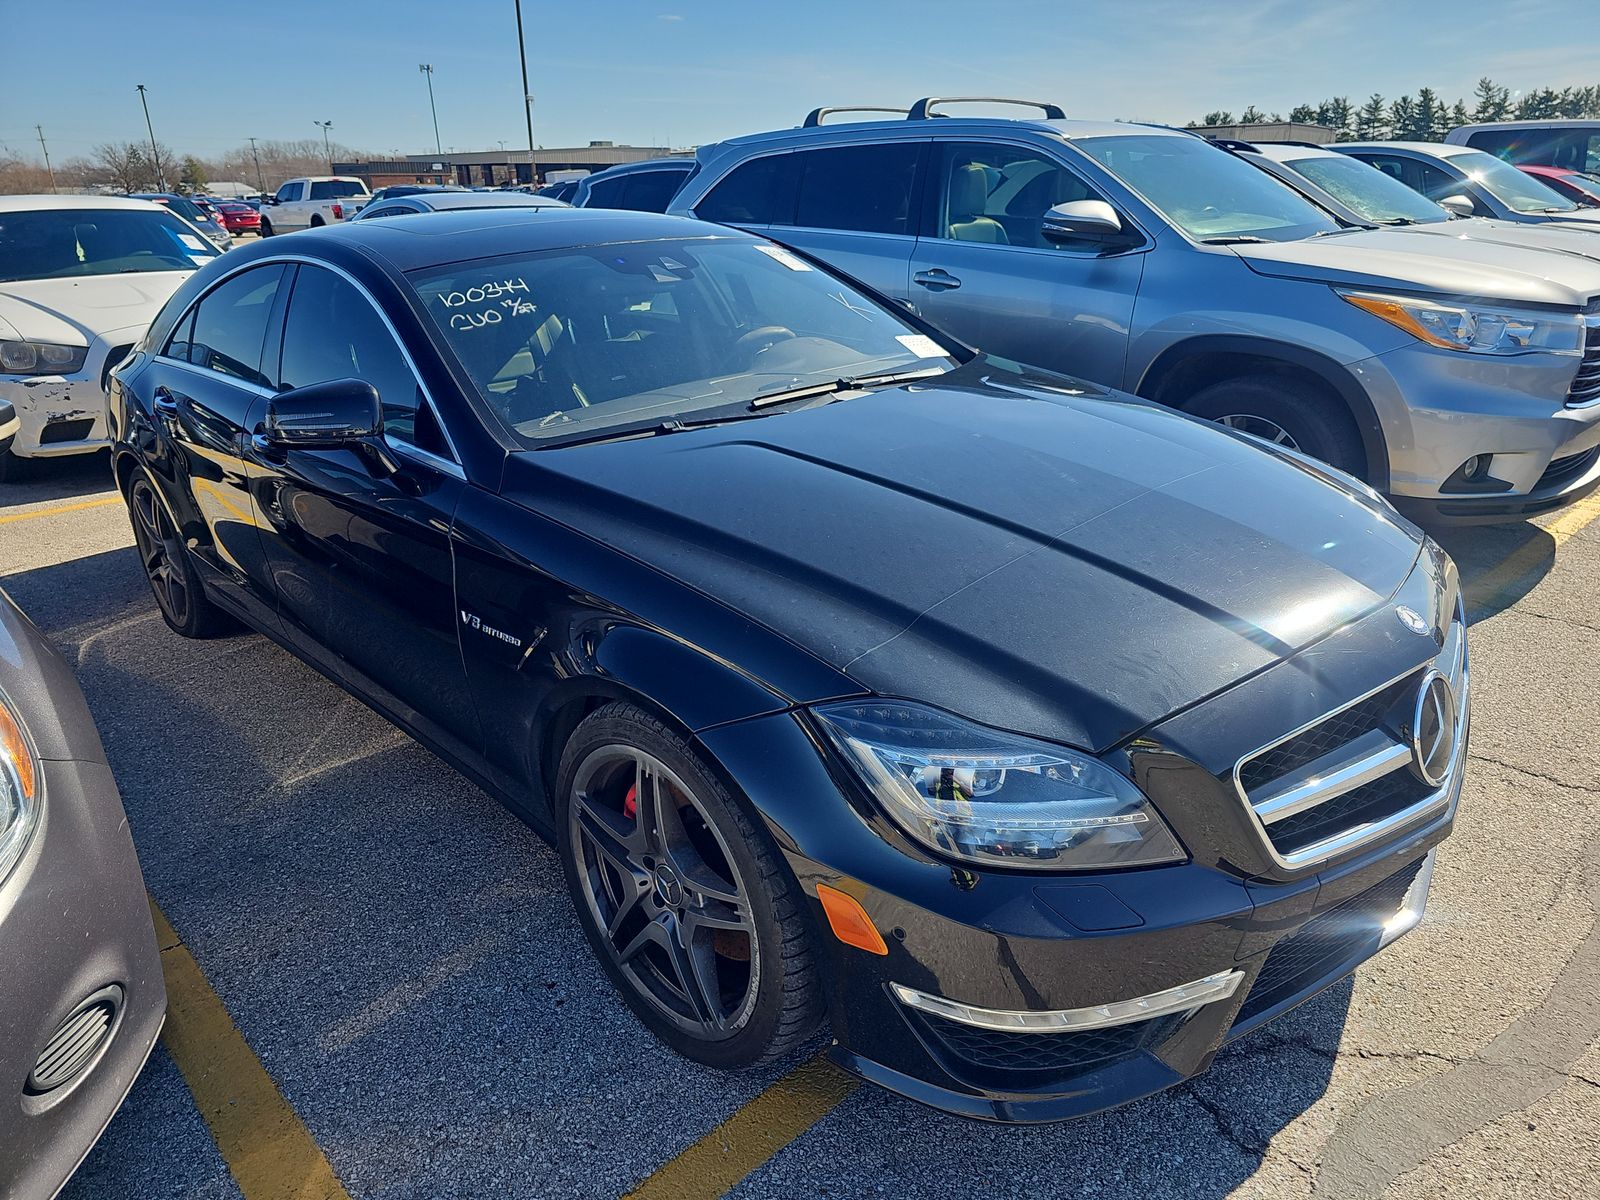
1493	101
1403	119
1372	122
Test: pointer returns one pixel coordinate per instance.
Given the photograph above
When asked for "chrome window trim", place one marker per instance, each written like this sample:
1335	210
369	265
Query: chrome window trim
305	260
1441	798
207	373
428	459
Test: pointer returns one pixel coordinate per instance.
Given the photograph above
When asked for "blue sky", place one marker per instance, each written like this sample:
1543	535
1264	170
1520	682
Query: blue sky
684	72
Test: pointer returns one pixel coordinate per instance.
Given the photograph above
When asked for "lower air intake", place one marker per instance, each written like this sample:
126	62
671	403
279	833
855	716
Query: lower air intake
75	1042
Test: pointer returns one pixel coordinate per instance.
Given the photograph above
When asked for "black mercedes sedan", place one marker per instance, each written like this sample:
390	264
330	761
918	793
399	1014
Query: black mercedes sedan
1040	739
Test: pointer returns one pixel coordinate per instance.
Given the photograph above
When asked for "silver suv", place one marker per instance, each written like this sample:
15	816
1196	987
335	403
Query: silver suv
1462	379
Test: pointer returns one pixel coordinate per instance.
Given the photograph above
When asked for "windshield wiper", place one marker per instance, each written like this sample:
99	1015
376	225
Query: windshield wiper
1235	240
844	383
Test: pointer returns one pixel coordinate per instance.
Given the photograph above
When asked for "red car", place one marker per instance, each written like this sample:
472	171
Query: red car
237	217
1581	187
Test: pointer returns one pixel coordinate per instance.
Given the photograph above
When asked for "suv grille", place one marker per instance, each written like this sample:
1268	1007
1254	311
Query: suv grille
1349	778
1586	387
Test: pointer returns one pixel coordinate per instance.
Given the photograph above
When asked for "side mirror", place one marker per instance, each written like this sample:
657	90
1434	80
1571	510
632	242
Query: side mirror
1078	220
1459	206
338	414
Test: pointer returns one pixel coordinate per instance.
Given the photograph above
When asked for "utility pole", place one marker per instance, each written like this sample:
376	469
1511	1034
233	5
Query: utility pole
47	165
261	184
427	69
326	149
161	176
527	96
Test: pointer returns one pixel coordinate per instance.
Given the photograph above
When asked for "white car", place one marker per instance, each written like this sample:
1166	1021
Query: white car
81	277
312	201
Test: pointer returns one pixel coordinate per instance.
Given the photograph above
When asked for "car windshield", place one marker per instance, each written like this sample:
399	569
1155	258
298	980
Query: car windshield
1588	184
1517	190
57	243
1371	193
1207	192
577	342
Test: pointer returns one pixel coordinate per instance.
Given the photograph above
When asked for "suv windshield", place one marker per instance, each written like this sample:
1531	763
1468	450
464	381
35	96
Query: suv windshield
572	342
55	243
336	189
1371	193
1521	193
1207	192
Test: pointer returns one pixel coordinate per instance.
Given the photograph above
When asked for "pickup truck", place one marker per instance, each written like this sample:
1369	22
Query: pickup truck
312	201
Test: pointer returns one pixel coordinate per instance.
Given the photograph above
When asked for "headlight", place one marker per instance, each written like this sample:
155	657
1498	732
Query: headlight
997	798
18	792
1476	328
41	358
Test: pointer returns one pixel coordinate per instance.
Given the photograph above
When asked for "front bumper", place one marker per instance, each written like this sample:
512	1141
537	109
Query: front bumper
65	414
75	927
1440	408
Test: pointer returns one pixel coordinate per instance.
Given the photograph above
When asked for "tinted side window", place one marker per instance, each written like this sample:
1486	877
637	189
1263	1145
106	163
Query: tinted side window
605	194
651	191
863	188
289	191
335	189
1436	185
230	325
332	331
999	194
753	193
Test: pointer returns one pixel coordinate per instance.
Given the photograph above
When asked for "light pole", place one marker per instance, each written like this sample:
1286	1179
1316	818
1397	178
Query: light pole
260	182
527	96
427	69
161	176
52	170
326	149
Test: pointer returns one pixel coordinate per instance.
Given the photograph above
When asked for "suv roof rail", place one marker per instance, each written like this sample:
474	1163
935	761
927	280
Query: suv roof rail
816	115
923	109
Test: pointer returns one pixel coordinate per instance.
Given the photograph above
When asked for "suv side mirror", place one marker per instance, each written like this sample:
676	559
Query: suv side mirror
335	415
1077	220
1460	206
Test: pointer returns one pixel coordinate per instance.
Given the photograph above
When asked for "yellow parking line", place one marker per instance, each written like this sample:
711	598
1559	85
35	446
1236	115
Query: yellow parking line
745	1141
269	1151
59	509
1498	581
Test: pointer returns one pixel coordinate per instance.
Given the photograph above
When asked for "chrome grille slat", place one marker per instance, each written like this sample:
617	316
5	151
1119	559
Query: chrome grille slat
1359	762
1586	384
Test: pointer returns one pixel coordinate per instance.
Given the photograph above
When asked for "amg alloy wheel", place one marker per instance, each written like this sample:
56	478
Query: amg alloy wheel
684	900
182	601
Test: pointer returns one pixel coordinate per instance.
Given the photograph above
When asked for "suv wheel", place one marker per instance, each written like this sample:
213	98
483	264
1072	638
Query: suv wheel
683	897
266	228
1287	413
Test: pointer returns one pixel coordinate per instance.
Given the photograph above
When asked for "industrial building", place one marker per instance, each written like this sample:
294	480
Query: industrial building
494	167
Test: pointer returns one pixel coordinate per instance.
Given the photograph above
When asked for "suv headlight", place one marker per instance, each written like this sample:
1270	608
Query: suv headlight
41	358
997	798
1475	328
19	779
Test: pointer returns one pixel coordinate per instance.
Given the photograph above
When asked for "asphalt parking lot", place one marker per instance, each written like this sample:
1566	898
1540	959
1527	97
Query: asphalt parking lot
380	989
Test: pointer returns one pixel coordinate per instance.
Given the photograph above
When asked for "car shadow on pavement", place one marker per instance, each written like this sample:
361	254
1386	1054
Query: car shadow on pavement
1499	564
43	479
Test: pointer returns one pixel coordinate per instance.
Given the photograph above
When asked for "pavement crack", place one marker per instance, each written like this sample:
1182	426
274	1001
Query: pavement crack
1225	1126
1560	620
1545	776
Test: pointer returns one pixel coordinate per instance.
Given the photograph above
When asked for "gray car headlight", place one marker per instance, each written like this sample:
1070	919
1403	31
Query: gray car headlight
40	358
996	798
19	784
1475	328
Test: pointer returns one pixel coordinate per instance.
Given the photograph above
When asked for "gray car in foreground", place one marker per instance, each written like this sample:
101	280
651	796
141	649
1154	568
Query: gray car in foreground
1460	378
81	993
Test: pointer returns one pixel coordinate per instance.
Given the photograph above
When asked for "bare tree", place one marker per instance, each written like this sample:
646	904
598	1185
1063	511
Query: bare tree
125	165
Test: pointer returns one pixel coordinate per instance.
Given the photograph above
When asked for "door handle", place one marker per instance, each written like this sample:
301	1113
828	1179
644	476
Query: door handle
937	280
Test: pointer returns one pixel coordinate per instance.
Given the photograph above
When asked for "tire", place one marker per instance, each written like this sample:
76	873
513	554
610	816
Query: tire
317	222
168	569
266	228
709	942
1287	411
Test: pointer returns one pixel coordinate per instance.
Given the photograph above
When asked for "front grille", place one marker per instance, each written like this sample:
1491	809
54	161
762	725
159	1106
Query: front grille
1340	937
75	1043
66	431
1054	1054
1586	387
1345	780
1562	469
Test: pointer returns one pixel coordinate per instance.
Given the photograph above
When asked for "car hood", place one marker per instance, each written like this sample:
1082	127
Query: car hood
1568	239
1587	220
1047	558
1410	260
76	311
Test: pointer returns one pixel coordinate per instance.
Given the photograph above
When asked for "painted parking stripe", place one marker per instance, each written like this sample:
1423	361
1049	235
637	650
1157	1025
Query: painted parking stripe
747	1140
59	509
269	1151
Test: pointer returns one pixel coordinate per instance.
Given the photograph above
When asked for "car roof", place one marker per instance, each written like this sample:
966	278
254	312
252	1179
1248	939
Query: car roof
1072	130
1291	152
645	164
490	231
451	201
46	203
1438	149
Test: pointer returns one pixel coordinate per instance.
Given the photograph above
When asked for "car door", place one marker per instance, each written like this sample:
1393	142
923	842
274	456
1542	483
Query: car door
360	549
855	208
209	388
289	212
984	270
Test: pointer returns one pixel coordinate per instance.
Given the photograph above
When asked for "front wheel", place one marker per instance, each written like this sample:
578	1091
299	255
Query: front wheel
168	568
1286	413
266	228
685	900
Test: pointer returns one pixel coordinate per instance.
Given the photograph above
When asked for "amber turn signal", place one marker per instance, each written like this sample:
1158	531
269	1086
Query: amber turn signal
849	921
16	750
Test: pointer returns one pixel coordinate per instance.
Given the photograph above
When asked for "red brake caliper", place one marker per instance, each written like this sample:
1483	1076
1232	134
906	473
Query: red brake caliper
630	803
